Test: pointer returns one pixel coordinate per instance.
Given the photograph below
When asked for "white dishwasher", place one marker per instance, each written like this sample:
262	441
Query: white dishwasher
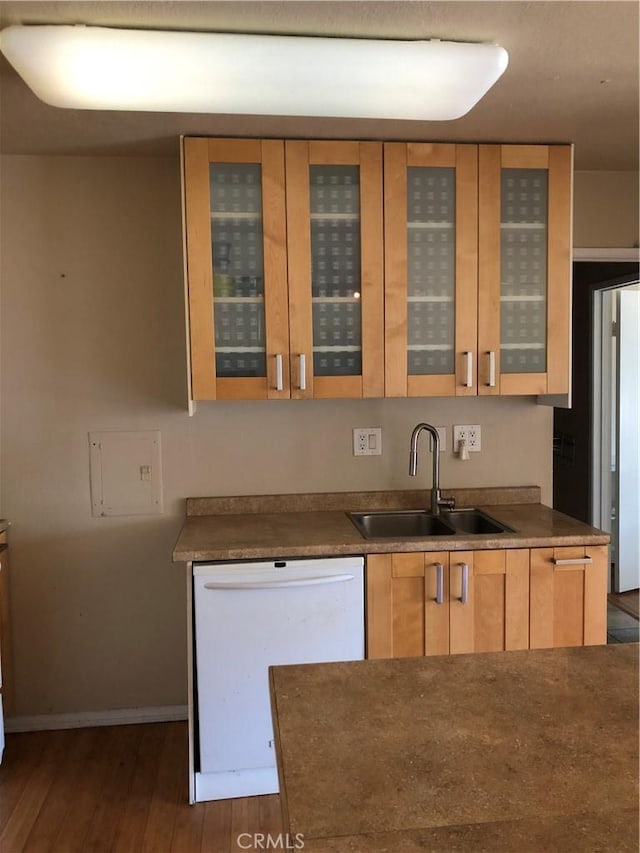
249	616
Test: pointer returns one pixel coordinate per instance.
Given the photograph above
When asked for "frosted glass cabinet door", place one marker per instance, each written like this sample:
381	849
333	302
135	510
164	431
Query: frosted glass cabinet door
524	287
334	239
234	205
430	269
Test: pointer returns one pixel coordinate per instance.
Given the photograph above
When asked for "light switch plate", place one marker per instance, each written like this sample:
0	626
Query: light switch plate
126	473
442	432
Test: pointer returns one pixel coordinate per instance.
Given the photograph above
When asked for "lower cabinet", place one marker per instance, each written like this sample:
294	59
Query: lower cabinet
569	596
439	603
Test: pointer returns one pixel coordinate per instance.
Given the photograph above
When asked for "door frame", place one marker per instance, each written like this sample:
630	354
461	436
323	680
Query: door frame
627	452
608	415
573	428
605	256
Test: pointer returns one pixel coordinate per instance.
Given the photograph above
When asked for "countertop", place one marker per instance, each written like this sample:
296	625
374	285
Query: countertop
524	750
270	526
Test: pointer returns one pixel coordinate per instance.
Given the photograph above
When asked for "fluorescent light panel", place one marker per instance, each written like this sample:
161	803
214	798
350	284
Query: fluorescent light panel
99	68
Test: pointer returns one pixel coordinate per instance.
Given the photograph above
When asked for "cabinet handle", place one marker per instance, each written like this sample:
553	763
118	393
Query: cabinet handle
439	583
303	371
492	369
576	561
464	586
266	584
469	378
279	379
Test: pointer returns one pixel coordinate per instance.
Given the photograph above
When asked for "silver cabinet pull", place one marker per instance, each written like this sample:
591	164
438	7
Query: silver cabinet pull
464	587
279	379
469	378
303	371
492	369
574	561
439	583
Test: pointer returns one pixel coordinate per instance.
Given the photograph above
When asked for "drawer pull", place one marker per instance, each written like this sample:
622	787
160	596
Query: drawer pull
469	377
303	372
439	583
464	587
574	561
279	378
492	369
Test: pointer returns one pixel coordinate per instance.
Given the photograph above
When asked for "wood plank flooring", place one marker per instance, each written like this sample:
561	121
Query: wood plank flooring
118	788
627	601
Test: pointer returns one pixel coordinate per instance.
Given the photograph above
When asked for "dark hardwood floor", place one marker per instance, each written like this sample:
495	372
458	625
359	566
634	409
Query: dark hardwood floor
627	601
118	788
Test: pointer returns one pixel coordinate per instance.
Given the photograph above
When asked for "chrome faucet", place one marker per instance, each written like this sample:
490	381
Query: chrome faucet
437	501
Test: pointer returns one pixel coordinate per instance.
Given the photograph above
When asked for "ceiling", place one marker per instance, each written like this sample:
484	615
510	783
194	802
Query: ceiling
572	75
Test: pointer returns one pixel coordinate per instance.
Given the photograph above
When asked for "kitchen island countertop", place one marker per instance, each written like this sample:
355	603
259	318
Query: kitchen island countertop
525	750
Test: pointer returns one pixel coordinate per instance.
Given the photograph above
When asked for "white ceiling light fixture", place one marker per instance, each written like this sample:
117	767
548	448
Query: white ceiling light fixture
97	68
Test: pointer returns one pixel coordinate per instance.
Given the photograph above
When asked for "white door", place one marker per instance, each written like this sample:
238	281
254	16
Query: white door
627	565
616	426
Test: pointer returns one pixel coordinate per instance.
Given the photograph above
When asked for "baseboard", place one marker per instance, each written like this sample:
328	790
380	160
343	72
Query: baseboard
85	719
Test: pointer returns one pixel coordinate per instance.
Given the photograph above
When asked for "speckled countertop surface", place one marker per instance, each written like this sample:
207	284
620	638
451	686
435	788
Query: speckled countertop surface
525	750
317	525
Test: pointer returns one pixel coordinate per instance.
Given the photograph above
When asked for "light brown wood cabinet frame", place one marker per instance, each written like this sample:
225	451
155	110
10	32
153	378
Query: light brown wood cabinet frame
383	212
517	599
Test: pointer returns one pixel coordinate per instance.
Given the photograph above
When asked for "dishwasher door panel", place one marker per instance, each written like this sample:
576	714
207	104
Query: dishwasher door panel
250	617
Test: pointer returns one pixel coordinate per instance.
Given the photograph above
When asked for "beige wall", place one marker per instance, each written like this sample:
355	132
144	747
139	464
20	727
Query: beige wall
605	210
92	338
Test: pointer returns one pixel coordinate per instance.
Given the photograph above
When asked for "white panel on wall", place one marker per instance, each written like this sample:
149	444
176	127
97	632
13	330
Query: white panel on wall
126	474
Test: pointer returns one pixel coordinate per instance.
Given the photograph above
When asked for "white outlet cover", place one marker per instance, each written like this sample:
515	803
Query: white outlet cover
367	441
471	433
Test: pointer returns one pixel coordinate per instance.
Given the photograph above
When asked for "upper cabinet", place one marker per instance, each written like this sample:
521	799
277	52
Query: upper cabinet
362	269
335	272
431	269
285	268
477	269
524	269
234	204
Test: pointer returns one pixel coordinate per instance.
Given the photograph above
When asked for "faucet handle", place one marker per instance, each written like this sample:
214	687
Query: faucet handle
447	503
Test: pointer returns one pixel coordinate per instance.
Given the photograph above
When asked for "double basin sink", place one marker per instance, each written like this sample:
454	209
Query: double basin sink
403	524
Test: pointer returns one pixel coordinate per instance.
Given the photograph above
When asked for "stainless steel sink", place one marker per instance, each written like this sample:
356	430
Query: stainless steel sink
407	523
400	524
474	521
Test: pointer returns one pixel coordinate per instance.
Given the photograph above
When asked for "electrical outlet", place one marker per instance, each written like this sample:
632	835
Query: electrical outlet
472	434
442	432
367	441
